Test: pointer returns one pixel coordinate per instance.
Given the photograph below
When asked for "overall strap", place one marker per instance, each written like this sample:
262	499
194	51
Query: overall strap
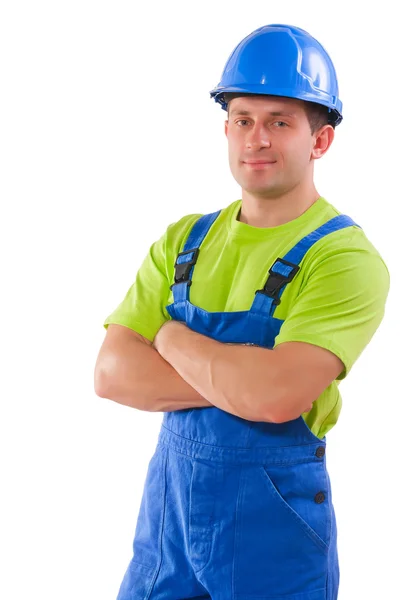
284	269
186	260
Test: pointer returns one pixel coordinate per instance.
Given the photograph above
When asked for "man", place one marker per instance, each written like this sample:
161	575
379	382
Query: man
245	363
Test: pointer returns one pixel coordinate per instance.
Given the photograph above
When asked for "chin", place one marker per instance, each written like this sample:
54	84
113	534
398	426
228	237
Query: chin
261	190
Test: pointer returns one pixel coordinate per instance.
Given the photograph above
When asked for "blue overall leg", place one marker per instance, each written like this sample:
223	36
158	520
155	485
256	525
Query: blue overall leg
242	510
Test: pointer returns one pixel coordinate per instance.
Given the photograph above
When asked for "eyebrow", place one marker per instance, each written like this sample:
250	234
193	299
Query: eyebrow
276	113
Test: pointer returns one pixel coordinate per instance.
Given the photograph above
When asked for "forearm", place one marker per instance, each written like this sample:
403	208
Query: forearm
235	378
139	377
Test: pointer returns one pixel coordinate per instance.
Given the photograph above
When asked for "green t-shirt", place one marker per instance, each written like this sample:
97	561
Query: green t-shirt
336	300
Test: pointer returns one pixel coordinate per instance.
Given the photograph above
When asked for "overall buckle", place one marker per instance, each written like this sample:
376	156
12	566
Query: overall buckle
276	281
182	270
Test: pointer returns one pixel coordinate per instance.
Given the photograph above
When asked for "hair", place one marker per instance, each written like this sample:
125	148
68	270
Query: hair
318	115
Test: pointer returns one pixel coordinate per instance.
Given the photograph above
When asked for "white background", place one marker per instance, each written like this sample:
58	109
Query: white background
108	134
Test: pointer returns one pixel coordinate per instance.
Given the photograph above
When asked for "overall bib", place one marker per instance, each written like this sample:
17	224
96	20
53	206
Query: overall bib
234	509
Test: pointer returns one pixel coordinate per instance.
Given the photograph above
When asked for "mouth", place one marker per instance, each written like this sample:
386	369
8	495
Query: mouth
259	164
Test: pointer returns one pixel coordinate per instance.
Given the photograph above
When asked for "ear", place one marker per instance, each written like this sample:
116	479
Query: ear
322	141
226	128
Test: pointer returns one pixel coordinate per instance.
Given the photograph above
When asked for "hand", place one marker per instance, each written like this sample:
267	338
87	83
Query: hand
162	333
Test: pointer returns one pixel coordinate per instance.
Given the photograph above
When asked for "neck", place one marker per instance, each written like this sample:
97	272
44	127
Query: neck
261	211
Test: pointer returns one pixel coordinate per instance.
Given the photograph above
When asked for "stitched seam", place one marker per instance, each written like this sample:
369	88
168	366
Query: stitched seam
227	449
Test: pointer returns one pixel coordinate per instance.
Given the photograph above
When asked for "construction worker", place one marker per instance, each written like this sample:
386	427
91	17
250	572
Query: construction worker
239	327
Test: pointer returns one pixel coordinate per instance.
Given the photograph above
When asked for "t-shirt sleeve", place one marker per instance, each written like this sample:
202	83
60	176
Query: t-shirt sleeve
143	308
340	306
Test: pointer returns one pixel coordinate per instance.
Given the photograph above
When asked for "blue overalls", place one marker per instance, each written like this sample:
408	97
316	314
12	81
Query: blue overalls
234	509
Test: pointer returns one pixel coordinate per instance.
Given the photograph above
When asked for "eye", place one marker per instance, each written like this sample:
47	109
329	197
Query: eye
246	121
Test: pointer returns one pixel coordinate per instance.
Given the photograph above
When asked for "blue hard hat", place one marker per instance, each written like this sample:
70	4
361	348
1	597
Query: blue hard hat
281	60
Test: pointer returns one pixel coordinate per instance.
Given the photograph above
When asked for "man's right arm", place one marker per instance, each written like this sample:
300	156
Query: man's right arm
130	371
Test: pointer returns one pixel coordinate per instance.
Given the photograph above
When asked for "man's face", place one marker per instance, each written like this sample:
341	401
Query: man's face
271	129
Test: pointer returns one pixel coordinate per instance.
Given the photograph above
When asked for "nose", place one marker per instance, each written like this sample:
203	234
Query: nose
257	137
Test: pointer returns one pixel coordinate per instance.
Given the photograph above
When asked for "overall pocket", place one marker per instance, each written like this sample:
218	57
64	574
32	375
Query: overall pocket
302	489
281	543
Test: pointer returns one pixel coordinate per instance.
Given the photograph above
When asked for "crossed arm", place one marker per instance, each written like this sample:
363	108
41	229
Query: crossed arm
184	369
251	382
